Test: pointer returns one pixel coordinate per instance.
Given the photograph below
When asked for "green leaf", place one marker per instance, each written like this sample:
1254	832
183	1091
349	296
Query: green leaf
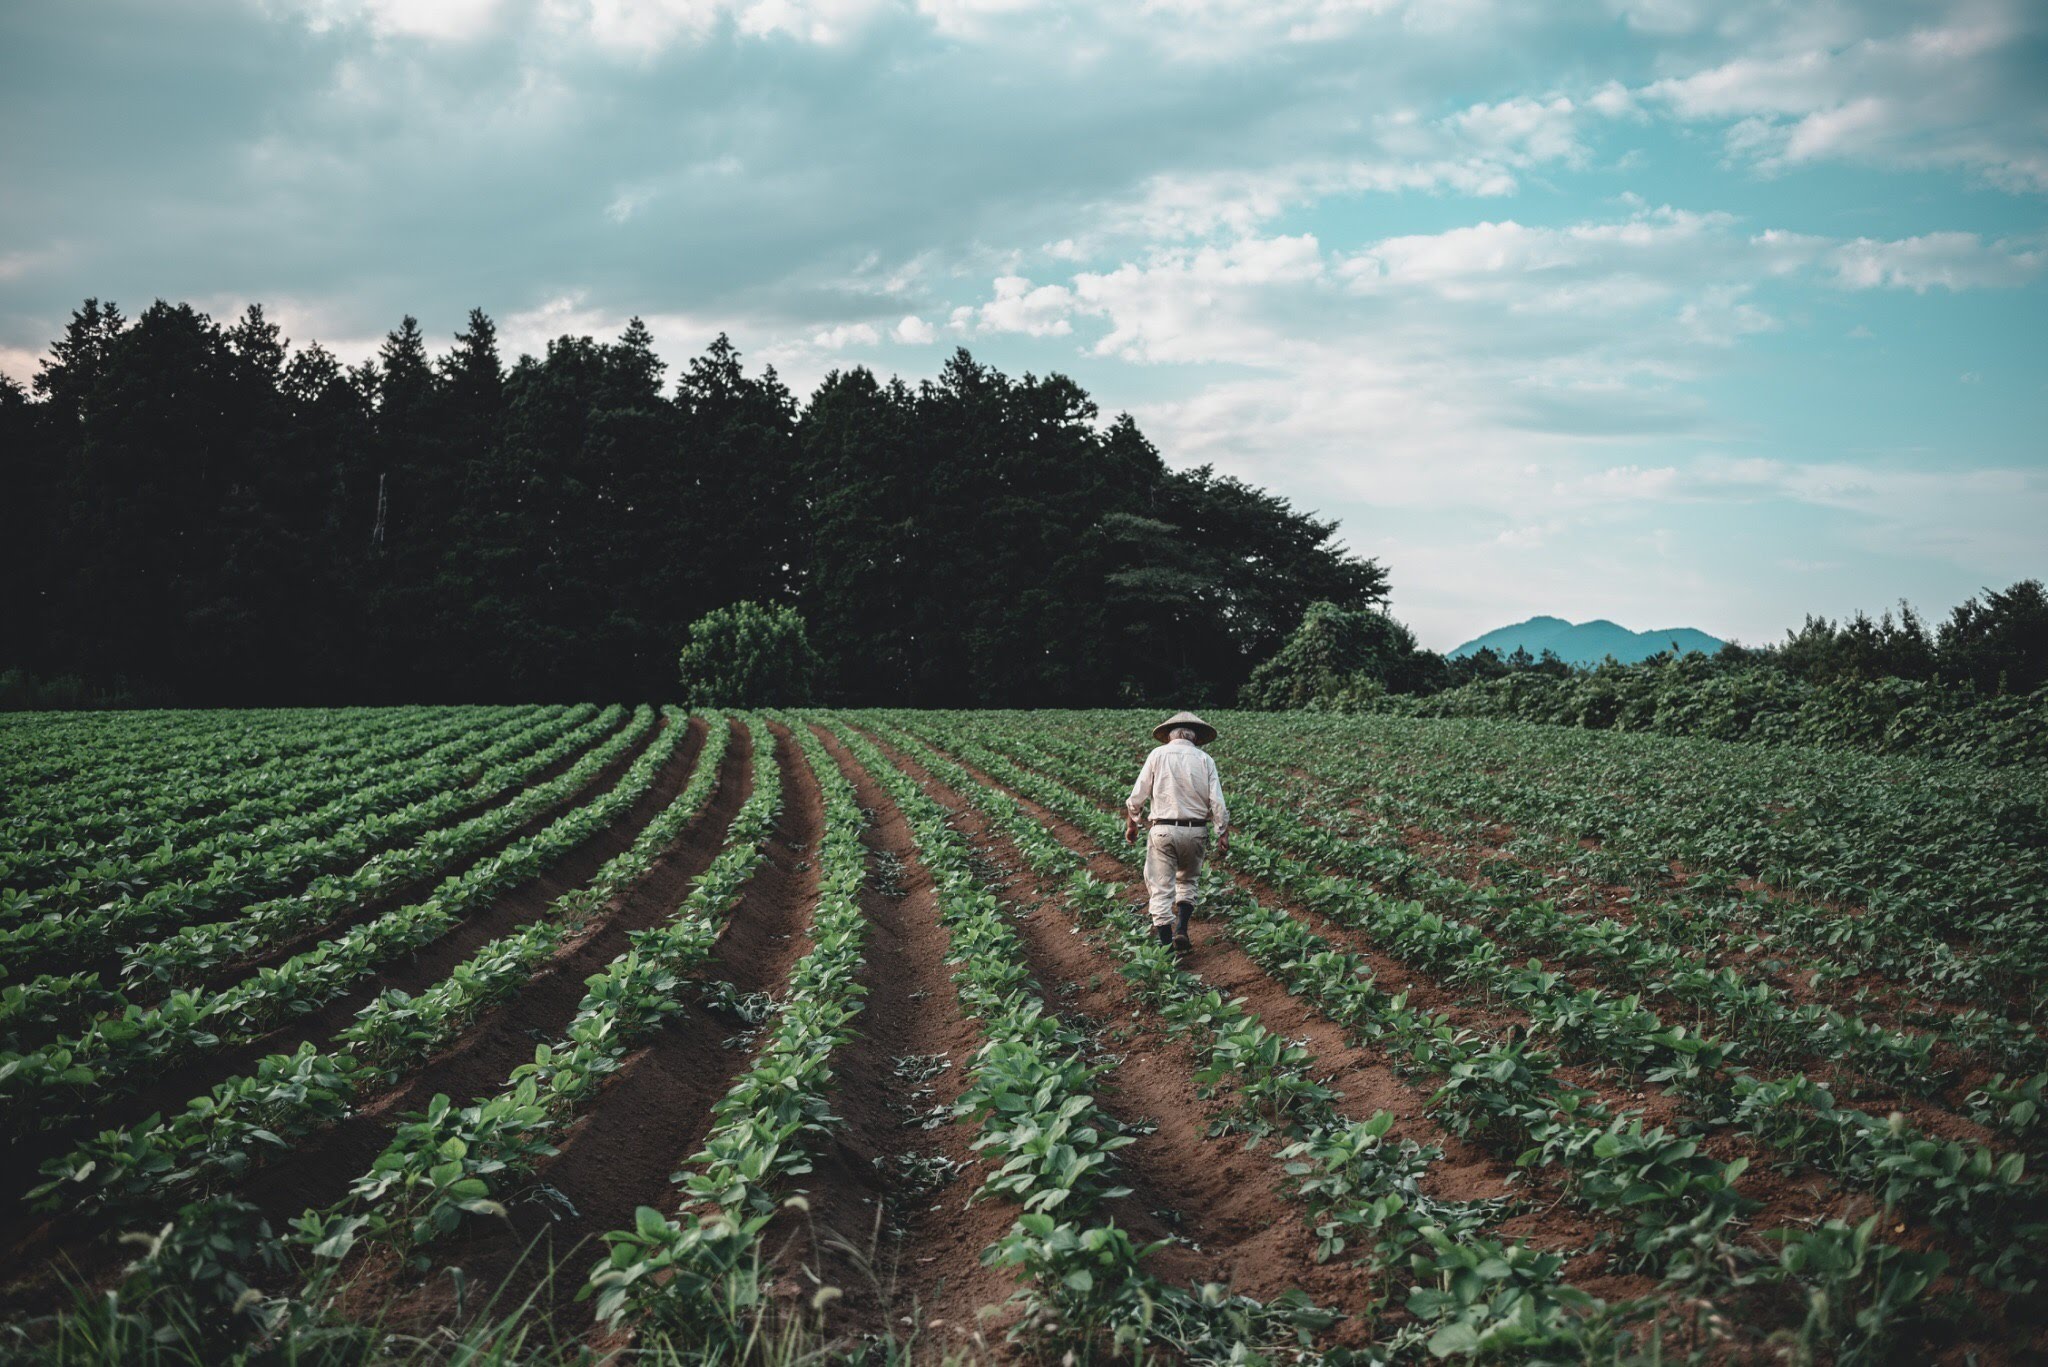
1454	1339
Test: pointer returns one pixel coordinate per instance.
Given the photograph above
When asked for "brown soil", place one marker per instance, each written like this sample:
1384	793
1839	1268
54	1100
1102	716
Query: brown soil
108	967
1787	1199
173	1089
476	1065
317	1172
647	1120
1794	1199
906	1255
693	740
428	965
894	1248
1933	1114
1229	1198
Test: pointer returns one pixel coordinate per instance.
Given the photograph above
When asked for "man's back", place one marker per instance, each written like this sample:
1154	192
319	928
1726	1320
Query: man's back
1180	781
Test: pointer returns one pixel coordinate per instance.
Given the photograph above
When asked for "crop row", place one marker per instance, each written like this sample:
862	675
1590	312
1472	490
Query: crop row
1731	929
1362	1193
417	800
119	755
160	790
52	1003
1050	1147
1681	1204
1980	1198
60	1083
197	951
698	1275
1932	853
290	1096
313	798
455	1159
1767	1024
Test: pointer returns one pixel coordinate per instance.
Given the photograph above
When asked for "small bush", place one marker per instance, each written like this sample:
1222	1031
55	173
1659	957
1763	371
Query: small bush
1333	649
749	655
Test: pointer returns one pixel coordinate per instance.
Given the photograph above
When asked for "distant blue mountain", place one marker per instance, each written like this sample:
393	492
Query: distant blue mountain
1588	643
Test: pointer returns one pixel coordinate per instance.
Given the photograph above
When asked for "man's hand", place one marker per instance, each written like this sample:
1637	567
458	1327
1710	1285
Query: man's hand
1223	844
1130	829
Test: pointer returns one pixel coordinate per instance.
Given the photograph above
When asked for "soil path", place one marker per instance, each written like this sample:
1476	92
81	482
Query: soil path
168	1093
655	1111
1474	859
1220	1195
890	1222
1366	1078
318	1171
693	740
1788	1197
108	966
431	963
477	1064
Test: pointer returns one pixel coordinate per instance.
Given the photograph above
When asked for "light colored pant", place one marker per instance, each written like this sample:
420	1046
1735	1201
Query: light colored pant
1173	862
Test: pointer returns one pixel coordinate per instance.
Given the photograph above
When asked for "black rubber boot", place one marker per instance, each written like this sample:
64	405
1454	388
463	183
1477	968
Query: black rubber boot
1181	912
1165	934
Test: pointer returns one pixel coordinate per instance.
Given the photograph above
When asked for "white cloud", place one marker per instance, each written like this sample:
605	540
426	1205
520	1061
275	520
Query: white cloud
1984	518
1616	101
1480	150
971	18
1019	306
623	28
627	203
1959	93
528	331
1201	304
1531	536
843	335
441	20
20	363
1954	261
1540	380
1522	131
913	331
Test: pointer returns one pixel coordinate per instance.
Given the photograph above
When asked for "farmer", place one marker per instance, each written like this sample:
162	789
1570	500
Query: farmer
1181	783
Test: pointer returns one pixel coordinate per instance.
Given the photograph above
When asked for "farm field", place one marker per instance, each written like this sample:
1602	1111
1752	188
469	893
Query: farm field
399	1033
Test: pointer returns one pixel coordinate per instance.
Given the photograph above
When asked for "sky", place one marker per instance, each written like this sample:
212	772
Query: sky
1711	313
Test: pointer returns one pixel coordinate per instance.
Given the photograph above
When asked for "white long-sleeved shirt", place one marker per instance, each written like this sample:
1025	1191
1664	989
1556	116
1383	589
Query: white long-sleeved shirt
1180	781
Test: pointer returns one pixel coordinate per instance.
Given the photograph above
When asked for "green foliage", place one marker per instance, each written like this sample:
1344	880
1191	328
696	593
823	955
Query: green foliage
2000	643
1858	1290
748	655
1337	649
1722	699
197	513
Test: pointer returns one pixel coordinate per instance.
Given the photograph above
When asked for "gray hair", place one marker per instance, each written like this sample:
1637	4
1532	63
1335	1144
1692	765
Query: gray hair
1181	733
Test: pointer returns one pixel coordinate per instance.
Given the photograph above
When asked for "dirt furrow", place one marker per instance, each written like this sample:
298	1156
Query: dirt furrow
890	1224
318	1170
108	967
693	740
1228	1197
1787	1198
650	1117
1367	1080
431	963
476	1065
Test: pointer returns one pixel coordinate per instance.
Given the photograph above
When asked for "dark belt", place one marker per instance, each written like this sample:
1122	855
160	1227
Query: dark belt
1176	821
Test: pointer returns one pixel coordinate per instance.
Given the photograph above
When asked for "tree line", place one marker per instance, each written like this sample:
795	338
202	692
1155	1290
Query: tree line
1974	687
1991	643
199	513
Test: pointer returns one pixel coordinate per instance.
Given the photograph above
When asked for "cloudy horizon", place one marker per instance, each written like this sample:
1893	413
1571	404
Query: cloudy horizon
1661	311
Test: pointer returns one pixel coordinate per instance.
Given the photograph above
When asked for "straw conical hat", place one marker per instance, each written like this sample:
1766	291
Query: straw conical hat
1204	733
